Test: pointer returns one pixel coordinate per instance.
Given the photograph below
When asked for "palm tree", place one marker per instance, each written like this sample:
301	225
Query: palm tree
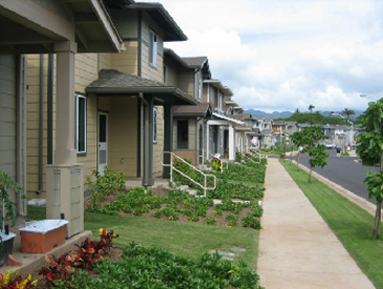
348	112
311	107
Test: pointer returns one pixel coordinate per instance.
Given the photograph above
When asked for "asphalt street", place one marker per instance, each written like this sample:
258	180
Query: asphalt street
345	171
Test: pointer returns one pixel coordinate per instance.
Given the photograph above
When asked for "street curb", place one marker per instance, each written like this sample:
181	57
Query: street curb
370	208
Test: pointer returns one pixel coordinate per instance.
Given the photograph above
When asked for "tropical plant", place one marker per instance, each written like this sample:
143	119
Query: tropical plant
59	269
103	185
232	219
216	164
311	107
7	206
348	112
210	220
251	221
370	151
13	280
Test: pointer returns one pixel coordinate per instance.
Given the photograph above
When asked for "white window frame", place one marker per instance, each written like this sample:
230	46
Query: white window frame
199	86
153	49
155	124
78	97
220	100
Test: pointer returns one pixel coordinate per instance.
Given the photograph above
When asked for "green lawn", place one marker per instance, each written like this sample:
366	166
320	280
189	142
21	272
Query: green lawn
351	224
183	238
186	239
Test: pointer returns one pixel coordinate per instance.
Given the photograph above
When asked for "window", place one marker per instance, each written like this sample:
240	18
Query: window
155	125
165	74
220	97
198	86
182	134
80	124
153	49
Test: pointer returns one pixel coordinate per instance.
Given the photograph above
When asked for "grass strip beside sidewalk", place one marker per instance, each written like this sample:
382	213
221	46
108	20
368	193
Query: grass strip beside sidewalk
350	223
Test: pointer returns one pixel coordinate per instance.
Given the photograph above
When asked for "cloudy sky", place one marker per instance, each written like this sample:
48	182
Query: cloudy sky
287	54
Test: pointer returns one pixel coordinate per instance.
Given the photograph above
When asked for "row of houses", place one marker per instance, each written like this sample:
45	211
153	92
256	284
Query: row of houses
90	83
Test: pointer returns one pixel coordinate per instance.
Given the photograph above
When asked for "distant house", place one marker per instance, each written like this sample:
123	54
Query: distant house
284	127
266	132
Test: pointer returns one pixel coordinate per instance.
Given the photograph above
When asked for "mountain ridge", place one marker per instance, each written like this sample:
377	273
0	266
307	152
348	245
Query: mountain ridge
286	114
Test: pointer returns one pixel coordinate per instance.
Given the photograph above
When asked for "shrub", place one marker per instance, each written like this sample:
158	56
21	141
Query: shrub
210	220
232	219
251	221
101	186
238	157
13	280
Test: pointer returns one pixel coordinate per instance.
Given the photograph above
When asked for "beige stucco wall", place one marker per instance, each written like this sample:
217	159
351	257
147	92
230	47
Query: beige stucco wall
158	148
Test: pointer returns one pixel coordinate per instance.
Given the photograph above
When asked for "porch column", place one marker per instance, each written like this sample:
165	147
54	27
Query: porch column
65	180
65	152
207	140
168	138
231	143
147	179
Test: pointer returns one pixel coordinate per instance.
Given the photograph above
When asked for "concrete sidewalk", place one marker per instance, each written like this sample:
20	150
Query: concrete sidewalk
297	249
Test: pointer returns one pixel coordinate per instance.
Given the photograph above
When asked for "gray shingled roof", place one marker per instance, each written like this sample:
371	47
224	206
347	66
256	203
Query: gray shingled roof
201	109
171	30
242	116
115	82
195	62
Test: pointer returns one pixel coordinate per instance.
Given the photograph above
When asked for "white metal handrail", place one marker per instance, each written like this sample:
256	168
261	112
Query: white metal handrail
262	156
207	159
252	157
204	187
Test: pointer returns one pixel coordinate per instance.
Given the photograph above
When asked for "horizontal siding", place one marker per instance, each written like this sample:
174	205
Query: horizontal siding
86	70
8	118
149	72
104	60
186	81
126	61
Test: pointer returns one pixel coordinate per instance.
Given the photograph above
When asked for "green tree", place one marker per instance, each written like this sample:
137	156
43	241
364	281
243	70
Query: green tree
300	140
370	151
318	157
318	153
348	112
311	107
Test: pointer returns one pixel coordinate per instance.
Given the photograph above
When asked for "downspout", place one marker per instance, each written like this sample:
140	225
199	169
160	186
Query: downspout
50	109
41	131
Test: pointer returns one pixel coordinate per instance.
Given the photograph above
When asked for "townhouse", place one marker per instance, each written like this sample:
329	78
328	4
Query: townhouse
56	27
123	101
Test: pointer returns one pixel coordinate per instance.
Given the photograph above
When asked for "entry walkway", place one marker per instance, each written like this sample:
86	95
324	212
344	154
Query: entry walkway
296	248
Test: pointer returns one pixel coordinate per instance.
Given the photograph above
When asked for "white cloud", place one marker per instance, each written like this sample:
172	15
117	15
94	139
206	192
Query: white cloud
278	55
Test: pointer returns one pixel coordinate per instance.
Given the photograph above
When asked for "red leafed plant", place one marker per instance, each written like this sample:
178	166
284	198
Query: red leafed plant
87	254
14	281
59	268
90	252
106	238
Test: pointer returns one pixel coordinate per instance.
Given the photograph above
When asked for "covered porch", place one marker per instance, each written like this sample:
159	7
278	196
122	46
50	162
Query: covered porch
151	104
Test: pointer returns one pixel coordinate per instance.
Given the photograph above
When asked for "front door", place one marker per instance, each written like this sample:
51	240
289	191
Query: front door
102	141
